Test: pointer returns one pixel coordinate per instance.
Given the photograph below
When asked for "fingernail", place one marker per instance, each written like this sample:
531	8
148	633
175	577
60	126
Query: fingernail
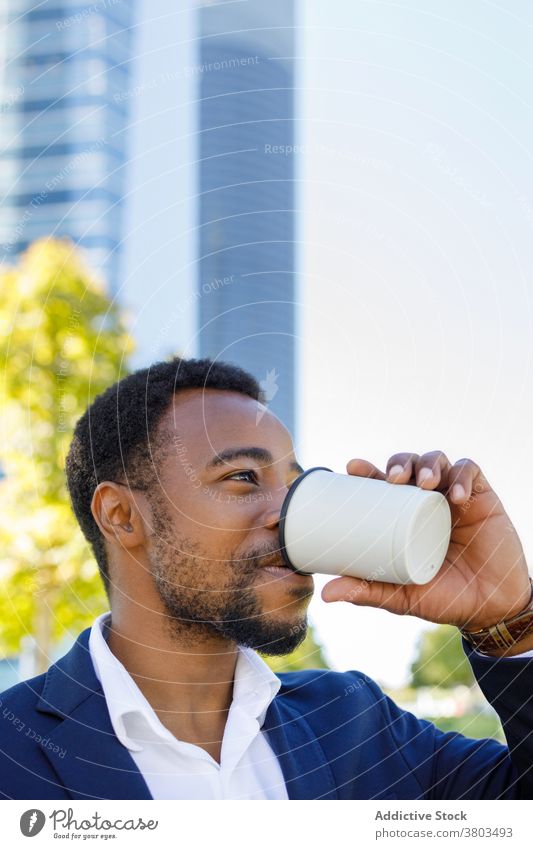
395	470
458	492
424	475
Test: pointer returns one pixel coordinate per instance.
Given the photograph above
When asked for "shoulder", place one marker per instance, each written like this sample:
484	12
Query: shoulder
325	686
18	707
23	695
323	678
22	728
35	706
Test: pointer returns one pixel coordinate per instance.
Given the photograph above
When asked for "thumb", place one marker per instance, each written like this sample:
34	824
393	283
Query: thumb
359	591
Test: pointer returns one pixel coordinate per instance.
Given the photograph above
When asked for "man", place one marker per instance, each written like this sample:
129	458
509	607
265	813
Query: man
177	475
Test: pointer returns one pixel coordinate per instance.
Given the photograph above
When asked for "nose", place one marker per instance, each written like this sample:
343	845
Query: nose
273	507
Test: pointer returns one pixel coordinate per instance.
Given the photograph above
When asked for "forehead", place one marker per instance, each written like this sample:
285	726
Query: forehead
209	420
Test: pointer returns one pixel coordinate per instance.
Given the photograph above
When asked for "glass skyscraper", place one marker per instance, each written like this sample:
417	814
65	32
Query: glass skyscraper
63	67
246	216
207	222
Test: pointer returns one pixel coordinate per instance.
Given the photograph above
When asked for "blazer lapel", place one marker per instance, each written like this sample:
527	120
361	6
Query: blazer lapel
83	749
304	766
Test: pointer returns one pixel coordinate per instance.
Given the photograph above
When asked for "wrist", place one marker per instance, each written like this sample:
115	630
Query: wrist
506	638
517	648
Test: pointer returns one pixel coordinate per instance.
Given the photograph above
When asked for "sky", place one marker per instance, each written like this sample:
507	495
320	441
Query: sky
415	243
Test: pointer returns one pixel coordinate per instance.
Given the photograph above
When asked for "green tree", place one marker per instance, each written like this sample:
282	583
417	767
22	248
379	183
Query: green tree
62	341
440	659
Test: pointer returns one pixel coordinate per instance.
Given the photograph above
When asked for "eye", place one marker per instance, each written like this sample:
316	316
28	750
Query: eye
248	472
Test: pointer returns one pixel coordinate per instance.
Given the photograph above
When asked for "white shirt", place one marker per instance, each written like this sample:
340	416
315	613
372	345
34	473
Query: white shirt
174	769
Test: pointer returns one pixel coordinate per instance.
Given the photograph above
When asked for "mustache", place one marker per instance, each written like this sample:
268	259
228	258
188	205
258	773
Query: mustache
260	556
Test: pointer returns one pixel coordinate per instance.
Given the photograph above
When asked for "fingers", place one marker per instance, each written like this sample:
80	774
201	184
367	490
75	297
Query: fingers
427	471
465	477
364	469
433	470
367	593
400	467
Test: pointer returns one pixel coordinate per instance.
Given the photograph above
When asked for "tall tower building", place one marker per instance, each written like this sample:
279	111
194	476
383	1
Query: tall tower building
246	215
62	127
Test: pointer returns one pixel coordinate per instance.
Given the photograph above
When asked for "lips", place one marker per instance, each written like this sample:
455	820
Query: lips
274	563
281	570
278	569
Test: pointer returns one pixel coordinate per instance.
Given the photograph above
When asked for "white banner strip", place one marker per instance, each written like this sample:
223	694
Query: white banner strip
277	825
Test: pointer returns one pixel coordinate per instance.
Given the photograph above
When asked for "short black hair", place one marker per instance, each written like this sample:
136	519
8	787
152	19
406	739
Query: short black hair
114	439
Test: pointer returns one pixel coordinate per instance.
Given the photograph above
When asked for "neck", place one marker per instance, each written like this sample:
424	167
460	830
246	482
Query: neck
188	683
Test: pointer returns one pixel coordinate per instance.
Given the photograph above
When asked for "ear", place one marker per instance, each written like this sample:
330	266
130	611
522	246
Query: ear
117	515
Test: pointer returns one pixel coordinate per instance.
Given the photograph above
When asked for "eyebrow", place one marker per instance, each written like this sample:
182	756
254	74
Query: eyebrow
253	452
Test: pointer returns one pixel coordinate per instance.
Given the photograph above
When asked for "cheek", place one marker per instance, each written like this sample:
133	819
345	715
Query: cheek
219	519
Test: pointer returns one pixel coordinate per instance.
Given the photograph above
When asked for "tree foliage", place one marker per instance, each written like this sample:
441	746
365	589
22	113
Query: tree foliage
440	659
62	341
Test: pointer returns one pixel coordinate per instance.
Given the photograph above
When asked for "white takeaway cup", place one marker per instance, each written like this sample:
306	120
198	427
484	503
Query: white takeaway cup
349	525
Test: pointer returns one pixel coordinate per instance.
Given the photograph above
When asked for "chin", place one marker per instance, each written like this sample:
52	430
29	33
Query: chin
284	638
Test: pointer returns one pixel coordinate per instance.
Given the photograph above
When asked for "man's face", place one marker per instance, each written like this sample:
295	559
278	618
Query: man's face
225	469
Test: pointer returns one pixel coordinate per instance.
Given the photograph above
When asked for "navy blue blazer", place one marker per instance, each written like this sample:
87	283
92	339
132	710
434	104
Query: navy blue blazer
336	736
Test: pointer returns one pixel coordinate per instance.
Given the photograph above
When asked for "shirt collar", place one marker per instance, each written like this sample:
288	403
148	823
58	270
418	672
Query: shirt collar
254	688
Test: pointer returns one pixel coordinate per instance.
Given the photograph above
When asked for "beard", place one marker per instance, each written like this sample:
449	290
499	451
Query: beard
200	603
